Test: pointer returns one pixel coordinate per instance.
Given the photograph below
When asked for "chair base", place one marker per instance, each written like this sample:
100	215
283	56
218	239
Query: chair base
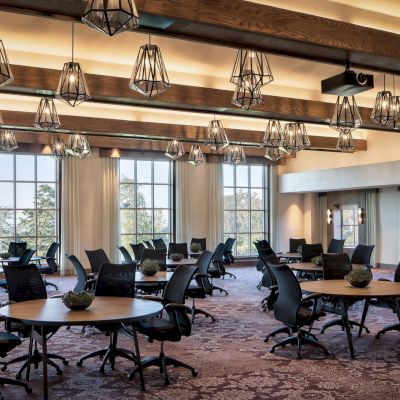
340	322
52	284
196	310
392	327
162	361
109	354
35	360
220	290
283	329
8	381
229	274
302	338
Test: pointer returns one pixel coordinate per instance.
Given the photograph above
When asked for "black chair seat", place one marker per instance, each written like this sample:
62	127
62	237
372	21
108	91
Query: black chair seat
8	341
160	329
45	269
196	292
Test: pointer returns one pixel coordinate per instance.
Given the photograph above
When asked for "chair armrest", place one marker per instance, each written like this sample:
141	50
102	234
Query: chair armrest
6	303
56	296
177	306
273	287
150	297
311	296
384	279
200	275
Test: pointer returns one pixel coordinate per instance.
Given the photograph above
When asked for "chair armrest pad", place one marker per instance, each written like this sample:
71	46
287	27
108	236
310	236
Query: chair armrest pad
200	275
384	279
177	306
149	297
311	296
56	296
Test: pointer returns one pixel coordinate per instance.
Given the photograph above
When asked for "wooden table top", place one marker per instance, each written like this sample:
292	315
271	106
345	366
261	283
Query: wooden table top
342	288
294	256
184	261
16	259
305	266
160	277
102	310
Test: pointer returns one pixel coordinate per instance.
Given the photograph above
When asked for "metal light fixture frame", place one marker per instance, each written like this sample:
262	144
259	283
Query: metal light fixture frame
346	143
8	141
196	156
383	112
235	154
274	153
149	75
296	137
72	88
175	149
46	117
245	97
58	150
346	117
6	75
111	16
78	145
216	136
274	136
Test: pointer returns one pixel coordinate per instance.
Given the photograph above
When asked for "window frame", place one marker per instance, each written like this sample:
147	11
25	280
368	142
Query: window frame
265	189
355	225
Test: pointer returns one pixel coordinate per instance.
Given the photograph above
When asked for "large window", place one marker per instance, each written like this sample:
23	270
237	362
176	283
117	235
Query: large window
245	206
145	200
346	224
28	201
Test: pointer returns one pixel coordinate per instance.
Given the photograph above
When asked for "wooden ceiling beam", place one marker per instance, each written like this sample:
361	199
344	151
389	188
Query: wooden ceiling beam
115	90
114	133
238	23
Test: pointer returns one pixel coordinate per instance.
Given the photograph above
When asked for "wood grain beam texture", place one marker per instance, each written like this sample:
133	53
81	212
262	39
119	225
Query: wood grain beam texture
113	133
237	23
115	90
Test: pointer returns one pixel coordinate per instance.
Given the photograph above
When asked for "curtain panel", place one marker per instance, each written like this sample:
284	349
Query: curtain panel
371	221
182	207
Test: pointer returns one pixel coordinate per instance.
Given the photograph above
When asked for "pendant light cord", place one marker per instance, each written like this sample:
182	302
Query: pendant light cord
394	87
384	82
72	32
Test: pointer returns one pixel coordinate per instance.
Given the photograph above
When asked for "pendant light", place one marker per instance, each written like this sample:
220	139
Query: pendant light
149	76
72	87
46	117
196	156
78	146
8	142
346	142
274	153
216	136
234	154
111	16
395	121
6	75
245	97
175	149
273	134
383	111
252	69
58	150
296	137
346	117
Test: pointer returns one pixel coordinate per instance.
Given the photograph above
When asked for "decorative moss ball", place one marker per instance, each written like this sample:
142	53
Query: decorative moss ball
317	260
149	267
77	300
195	247
176	257
359	277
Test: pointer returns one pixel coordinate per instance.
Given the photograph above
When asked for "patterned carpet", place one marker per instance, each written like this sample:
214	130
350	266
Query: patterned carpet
232	359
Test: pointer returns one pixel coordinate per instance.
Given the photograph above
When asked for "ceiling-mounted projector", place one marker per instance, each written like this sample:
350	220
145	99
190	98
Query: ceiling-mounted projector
348	83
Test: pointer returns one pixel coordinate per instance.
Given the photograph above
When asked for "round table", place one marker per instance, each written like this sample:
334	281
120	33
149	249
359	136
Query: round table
41	313
184	261
343	290
159	277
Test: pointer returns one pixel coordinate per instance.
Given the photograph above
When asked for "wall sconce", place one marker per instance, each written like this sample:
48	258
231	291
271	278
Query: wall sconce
361	216
329	216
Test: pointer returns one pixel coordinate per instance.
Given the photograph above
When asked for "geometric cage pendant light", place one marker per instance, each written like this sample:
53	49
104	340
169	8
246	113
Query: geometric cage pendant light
72	87
175	149
273	134
346	117
346	142
295	137
78	145
216	136
46	117
383	111
111	16
6	75
149	75
196	156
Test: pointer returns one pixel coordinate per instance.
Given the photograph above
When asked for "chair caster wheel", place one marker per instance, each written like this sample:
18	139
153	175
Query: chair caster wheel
376	337
272	351
4	368
18	377
101	370
327	353
65	362
79	363
28	390
194	373
59	372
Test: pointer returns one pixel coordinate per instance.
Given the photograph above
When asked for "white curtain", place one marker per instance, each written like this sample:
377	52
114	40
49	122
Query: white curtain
371	221
323	231
70	215
215	206
182	185
110	206
274	207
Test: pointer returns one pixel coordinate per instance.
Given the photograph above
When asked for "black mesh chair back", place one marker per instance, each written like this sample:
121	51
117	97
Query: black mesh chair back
51	256
96	259
159	244
125	254
309	251
16	249
80	273
268	278
137	250
294	244
26	257
229	245
24	282
202	265
362	254
219	252
290	296
263	248
397	274
148	244
116	280
157	255
336	246
201	241
336	266
178	248
175	289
